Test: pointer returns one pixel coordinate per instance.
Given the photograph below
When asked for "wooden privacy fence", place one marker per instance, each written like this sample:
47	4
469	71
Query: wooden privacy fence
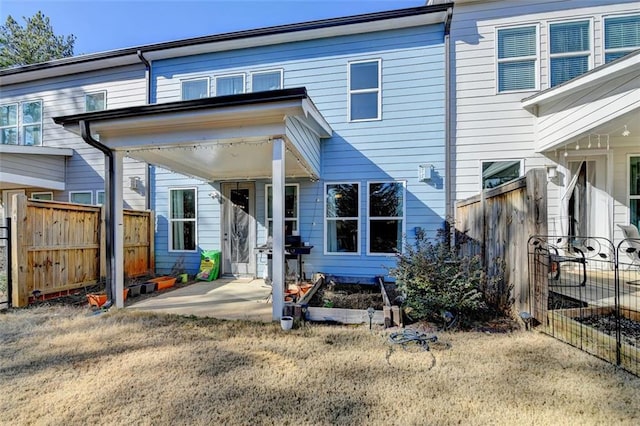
61	246
498	223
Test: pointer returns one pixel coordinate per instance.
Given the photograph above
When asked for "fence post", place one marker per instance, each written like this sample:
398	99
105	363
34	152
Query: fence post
536	224
19	258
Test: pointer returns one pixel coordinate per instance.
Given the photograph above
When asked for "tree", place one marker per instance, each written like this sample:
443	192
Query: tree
32	44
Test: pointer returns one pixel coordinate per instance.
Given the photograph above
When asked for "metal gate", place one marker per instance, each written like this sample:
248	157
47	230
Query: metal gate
5	265
585	291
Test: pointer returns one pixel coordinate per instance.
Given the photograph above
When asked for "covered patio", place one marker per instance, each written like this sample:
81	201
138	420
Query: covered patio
273	135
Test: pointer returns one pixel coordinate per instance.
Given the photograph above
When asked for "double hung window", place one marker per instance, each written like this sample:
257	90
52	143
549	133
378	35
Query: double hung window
569	50
9	124
365	94
386	217
266	80
229	85
195	89
517	58
182	219
342	213
621	36
290	209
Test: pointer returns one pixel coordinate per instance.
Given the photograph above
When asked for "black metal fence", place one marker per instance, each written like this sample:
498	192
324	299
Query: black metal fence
585	291
5	264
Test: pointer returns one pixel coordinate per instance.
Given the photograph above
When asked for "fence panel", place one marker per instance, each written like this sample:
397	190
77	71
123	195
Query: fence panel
58	247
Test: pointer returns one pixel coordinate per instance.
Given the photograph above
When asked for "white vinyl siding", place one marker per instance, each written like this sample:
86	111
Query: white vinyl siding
517	50
342	218
229	84
95	101
569	50
386	211
262	81
198	88
365	92
291	209
621	36
183	219
81	197
9	124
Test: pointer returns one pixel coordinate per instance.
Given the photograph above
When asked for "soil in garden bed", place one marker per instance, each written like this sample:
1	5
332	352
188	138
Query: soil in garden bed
347	296
629	329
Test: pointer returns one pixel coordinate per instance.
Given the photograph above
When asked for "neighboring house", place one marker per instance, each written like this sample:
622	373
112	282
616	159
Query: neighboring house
42	160
333	131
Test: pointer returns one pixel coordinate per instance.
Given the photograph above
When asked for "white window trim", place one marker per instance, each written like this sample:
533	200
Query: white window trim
104	92
591	51
170	220
351	92
239	74
71	193
266	205
49	193
518	59
97	198
326	220
267	71
604	36
22	125
17	125
186	80
403	217
629	196
521	160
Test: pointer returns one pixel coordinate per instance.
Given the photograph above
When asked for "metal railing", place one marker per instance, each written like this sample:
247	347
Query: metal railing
585	291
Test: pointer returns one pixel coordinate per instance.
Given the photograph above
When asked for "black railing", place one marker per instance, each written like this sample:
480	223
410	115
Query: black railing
585	291
5	264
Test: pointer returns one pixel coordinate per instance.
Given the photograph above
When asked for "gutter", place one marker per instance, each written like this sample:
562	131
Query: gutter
147	173
85	132
449	212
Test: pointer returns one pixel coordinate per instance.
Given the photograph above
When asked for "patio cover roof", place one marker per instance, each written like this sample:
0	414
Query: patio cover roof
600	102
218	138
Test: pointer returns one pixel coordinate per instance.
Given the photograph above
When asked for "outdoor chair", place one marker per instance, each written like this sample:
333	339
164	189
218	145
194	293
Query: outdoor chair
632	239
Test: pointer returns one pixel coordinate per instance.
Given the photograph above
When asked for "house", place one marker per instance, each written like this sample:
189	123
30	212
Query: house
330	134
552	84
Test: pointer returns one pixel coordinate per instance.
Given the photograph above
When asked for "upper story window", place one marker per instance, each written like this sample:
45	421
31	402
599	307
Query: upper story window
569	50
621	36
517	58
386	217
229	85
9	124
32	123
496	173
266	80
290	209
342	218
95	101
195	89
365	94
182	219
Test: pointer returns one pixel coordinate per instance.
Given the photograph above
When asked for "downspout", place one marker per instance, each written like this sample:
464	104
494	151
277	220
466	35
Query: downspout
109	210
147	172
449	212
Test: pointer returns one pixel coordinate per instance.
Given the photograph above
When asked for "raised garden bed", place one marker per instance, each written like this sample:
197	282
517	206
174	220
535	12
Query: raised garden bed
575	326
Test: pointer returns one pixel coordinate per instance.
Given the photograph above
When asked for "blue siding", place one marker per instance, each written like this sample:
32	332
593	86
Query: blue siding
411	132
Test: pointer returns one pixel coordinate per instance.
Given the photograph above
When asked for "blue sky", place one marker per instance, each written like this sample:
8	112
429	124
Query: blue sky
101	25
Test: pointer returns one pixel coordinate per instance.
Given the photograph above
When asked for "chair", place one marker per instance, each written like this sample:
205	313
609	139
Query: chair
632	239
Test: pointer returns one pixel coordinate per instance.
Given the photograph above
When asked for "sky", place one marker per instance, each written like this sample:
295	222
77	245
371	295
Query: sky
102	25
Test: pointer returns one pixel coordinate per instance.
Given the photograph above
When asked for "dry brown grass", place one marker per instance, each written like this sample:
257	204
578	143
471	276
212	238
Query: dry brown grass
59	366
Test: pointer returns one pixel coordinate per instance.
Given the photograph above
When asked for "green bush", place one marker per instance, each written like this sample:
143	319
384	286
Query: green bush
434	279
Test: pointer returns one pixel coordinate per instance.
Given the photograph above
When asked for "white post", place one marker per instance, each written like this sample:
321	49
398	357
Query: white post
277	181
118	222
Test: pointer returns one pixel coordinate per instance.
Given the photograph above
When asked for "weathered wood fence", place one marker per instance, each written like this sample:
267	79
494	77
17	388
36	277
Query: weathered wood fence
497	224
61	246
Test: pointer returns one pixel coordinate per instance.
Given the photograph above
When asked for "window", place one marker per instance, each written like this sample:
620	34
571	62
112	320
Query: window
496	173
570	50
634	191
32	123
230	85
364	90
195	89
342	203
290	209
386	217
266	80
81	197
100	197
95	101
47	196
621	35
517	58
182	219
9	124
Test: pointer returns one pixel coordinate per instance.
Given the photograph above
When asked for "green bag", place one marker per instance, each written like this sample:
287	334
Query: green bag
209	265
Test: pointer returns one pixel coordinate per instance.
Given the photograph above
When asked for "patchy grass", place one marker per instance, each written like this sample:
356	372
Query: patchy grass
58	365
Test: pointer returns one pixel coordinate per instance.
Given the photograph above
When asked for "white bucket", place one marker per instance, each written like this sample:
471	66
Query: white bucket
286	323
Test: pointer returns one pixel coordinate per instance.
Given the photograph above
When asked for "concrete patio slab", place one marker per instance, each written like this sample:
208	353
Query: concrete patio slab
225	298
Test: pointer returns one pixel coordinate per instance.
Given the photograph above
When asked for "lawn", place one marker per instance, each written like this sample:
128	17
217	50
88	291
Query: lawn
59	365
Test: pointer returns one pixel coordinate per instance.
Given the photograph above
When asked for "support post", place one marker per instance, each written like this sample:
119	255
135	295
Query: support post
118	222
277	181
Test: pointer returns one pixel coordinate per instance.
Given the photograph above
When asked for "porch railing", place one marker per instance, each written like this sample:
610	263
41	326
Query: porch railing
585	291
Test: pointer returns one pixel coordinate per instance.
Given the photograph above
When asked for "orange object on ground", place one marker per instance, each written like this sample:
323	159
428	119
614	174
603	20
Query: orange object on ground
163	282
100	299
